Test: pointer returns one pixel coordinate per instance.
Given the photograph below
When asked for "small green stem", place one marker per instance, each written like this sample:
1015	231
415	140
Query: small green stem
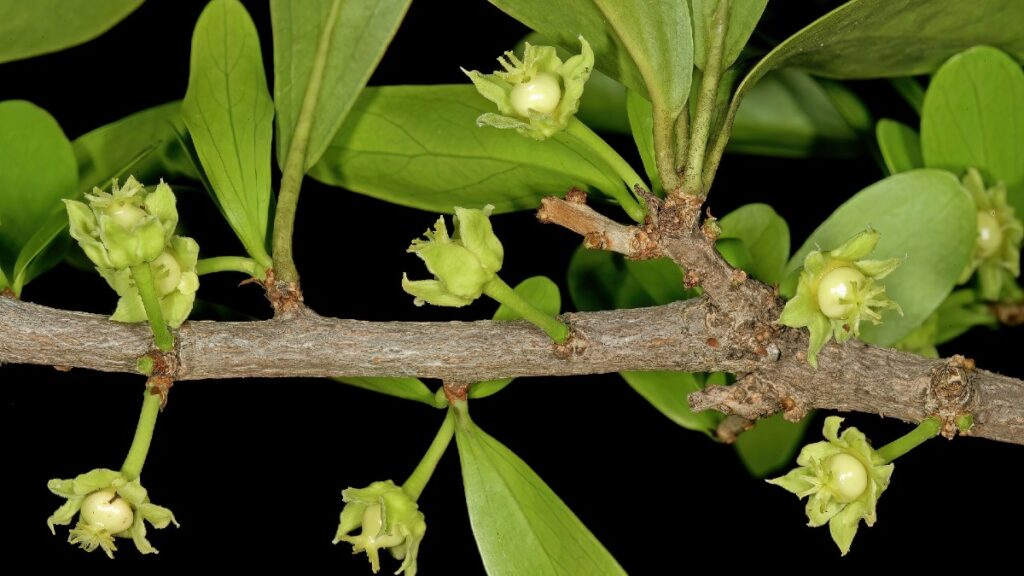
682	137
143	276
226	264
706	101
926	430
582	133
503	293
136	458
663	132
417	481
911	91
295	162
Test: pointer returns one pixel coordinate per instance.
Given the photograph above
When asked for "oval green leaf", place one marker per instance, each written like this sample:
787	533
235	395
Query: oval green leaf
881	38
743	17
359	32
788	113
973	116
521	526
659	38
541	292
766	237
420	146
147	141
229	114
37	171
925	217
33	27
641	125
667	392
900	146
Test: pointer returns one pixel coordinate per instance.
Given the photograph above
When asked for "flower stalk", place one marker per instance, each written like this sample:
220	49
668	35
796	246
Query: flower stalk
928	428
136	459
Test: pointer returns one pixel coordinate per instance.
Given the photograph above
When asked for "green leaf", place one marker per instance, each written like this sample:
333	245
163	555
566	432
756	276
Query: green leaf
658	281
569	19
735	253
658	37
146	141
743	17
541	292
900	146
420	146
601	280
881	38
667	391
594	278
229	114
359	31
770	444
37	170
641	125
520	525
34	27
406	388
924	217
960	312
788	113
766	237
603	105
973	116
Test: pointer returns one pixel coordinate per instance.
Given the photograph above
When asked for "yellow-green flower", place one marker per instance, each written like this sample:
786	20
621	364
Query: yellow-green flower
996	255
108	506
125	227
130	227
462	264
839	289
388	518
842	478
537	95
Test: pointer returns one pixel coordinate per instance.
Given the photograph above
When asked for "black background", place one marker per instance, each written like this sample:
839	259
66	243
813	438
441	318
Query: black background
253	469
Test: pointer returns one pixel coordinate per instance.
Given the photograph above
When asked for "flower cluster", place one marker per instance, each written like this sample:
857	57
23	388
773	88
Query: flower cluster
130	227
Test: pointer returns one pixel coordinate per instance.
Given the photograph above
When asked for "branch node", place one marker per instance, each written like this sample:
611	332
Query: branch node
285	297
455	391
731	427
160	386
951	393
575	196
750	397
574	345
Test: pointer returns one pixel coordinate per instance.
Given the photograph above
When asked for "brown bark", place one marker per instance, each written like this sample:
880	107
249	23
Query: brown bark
732	329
